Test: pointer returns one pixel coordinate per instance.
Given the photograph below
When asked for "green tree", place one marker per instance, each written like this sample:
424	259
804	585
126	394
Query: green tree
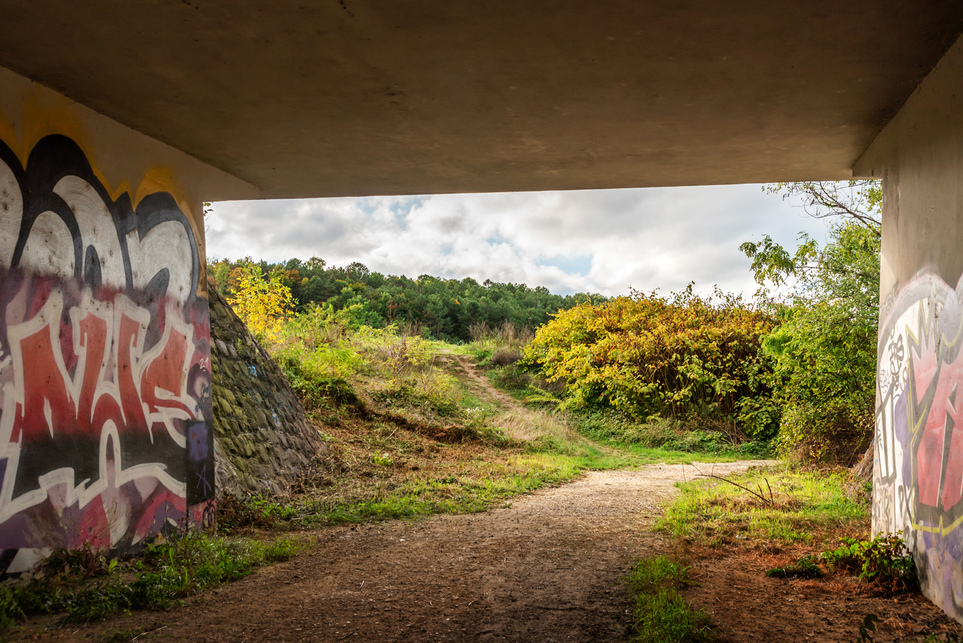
824	350
859	201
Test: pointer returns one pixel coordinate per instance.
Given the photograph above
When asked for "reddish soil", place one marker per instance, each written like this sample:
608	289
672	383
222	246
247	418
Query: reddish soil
746	605
547	568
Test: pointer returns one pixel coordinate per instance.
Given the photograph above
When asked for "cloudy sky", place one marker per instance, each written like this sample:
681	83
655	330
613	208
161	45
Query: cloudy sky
601	241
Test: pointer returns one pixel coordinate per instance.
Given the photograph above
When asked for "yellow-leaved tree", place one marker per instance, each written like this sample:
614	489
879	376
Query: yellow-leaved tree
263	304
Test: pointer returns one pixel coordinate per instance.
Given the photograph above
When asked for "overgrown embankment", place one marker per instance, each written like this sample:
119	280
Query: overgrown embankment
412	428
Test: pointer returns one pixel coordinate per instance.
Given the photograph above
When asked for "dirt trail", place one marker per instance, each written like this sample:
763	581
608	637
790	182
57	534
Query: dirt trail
547	568
478	382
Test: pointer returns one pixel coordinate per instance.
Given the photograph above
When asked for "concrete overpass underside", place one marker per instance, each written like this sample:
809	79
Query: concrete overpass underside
356	97
117	120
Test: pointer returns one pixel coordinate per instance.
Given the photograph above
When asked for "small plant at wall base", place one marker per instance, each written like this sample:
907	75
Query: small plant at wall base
805	567
84	585
884	561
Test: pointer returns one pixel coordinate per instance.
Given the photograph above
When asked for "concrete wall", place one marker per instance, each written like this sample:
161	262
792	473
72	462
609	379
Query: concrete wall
105	367
919	423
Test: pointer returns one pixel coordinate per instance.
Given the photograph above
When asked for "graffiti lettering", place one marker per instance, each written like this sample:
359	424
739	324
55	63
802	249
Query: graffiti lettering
104	361
141	396
919	433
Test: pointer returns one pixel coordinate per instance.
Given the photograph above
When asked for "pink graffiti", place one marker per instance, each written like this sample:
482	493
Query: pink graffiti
944	414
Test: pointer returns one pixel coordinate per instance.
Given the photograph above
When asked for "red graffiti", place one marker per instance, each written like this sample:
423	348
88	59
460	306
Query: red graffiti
115	379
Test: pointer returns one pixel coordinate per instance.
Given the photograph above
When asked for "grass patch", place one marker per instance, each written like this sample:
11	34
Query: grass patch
788	506
669	434
465	485
659	613
83	585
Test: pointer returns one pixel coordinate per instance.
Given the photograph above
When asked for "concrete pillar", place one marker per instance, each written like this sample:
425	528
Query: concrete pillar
918	480
105	406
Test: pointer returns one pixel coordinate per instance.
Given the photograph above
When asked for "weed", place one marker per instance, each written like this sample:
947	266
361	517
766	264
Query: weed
659	612
382	459
270	509
766	499
255	510
805	567
124	636
884	561
85	562
11	606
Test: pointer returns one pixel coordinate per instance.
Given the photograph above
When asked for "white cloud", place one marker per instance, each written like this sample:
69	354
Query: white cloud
595	240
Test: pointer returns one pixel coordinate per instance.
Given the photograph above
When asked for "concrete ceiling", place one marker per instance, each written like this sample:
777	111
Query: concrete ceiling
359	97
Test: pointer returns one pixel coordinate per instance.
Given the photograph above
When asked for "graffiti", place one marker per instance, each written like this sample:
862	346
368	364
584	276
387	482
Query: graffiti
104	361
919	431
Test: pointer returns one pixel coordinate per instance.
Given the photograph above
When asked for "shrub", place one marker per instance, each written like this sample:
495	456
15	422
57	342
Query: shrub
884	560
645	355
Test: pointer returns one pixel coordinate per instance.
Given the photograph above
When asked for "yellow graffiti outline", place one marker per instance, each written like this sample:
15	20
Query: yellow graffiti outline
58	116
50	117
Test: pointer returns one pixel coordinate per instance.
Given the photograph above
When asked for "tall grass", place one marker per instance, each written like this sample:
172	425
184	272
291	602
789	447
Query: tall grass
328	362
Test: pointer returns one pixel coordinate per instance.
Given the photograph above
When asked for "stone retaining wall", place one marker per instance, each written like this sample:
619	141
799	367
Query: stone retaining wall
264	440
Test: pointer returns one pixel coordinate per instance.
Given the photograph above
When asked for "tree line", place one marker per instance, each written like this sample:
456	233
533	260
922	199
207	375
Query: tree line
443	309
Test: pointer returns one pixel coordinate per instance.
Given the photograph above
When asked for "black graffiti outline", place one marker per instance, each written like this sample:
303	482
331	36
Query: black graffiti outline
55	157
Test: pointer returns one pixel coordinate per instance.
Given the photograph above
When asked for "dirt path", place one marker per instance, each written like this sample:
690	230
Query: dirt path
478	382
547	568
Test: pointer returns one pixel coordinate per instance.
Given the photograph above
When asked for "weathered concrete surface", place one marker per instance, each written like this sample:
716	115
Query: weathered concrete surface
918	477
264	440
364	97
105	408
